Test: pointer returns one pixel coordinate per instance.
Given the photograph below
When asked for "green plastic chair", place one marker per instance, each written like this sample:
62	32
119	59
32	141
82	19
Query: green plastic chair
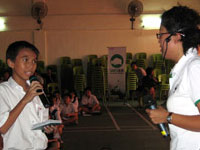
77	70
52	87
164	84
40	67
76	62
129	56
131	83
79	83
169	64
90	57
65	60
157	57
157	72
53	68
141	55
141	63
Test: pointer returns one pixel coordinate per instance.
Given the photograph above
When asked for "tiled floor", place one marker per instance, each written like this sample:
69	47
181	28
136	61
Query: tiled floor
118	128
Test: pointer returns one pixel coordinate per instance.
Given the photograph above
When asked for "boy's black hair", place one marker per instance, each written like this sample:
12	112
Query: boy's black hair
149	70
88	88
66	95
133	63
15	47
182	19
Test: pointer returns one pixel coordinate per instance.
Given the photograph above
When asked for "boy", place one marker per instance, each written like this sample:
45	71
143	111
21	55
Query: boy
68	114
20	106
89	102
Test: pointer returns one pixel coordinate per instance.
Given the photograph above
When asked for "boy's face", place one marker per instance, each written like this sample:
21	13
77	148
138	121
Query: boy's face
88	93
24	65
67	100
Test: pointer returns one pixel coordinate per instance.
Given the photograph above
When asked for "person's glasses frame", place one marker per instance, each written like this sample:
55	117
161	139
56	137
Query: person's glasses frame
159	35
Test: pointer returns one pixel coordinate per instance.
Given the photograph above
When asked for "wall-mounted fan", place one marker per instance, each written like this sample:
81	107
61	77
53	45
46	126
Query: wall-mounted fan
38	11
135	9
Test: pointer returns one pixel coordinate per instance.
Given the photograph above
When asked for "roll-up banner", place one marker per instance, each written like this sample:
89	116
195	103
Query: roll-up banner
116	70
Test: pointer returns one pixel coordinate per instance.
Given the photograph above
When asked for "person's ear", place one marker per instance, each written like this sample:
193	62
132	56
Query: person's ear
178	37
10	63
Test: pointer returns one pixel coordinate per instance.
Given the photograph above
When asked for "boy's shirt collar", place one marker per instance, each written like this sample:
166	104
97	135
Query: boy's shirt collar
14	84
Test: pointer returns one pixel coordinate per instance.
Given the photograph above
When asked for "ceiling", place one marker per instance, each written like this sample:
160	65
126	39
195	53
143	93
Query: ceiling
90	7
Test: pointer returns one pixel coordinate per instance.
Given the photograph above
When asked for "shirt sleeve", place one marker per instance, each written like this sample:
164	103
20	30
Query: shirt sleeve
95	99
194	82
84	100
4	108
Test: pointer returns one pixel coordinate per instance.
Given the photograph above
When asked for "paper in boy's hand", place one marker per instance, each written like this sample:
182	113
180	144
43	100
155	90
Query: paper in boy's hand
40	126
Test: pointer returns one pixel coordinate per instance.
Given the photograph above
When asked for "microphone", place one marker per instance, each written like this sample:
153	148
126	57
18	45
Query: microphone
150	102
43	97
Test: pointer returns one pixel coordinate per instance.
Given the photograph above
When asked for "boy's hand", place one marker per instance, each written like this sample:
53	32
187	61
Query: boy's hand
33	91
49	129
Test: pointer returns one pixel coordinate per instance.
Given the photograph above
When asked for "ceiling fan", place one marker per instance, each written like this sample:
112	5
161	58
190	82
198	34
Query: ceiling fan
135	9
39	10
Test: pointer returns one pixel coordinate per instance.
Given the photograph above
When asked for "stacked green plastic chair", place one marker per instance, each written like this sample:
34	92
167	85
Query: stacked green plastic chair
141	59
141	63
66	74
40	67
158	61
52	87
90	69
98	86
79	80
164	84
104	60
129	56
157	72
76	62
65	60
169	64
131	83
53	68
141	55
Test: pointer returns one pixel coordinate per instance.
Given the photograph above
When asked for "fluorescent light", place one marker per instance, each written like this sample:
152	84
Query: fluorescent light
2	24
151	21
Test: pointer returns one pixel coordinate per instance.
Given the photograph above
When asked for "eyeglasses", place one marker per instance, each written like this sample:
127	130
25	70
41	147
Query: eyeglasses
159	35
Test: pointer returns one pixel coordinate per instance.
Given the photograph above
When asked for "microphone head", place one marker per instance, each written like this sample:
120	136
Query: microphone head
148	100
33	78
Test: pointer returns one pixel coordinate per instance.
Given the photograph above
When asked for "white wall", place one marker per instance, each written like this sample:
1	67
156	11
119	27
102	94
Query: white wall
79	31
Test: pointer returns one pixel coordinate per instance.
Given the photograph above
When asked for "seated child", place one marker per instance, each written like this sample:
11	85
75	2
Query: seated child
55	114
68	114
89	102
74	100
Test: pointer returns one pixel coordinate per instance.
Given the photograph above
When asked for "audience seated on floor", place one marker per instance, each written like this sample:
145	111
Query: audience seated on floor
68	114
89	103
54	110
74	100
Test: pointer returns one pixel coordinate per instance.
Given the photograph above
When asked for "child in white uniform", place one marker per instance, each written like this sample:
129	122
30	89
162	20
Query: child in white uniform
20	106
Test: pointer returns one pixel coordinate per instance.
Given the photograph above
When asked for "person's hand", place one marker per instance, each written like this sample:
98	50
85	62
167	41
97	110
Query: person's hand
158	115
35	86
49	129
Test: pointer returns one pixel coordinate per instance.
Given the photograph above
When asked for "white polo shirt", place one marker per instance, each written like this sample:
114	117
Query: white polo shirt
91	101
184	95
20	136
